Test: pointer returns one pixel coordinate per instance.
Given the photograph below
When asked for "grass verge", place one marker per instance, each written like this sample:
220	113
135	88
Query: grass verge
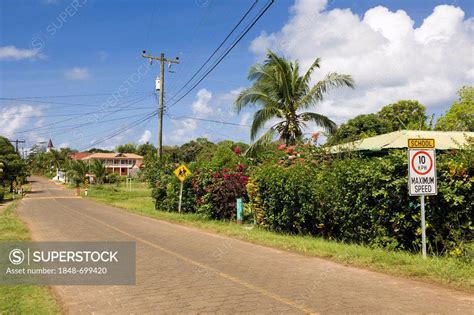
22	299
452	272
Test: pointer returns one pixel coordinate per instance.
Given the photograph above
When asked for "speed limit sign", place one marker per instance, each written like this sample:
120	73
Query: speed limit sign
422	172
422	176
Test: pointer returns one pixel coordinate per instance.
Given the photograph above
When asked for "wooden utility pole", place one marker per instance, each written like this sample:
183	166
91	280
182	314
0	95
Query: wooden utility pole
16	143
162	60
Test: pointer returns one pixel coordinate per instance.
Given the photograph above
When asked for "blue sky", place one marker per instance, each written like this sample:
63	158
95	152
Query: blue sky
95	49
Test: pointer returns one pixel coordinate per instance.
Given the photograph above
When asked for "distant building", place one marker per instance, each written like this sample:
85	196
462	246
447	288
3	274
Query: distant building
50	146
122	164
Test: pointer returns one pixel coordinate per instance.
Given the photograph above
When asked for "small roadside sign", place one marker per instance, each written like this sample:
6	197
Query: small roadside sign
422	172
421	143
182	172
422	176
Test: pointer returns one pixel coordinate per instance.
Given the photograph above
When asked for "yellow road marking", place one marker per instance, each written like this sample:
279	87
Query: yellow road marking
250	286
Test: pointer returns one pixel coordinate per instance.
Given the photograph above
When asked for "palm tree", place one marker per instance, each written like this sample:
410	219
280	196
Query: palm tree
77	171
282	93
98	169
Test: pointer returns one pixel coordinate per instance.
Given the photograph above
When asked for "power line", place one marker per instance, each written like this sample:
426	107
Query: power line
64	129
61	96
74	114
217	49
208	120
61	103
243	33
122	130
83	115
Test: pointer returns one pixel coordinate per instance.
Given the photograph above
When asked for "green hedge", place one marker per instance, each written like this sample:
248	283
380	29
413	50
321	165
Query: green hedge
365	200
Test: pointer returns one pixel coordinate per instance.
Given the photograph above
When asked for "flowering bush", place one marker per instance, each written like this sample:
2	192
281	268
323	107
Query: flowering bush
221	192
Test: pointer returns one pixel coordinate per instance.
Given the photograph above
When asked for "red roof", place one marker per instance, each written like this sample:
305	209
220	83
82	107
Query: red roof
79	155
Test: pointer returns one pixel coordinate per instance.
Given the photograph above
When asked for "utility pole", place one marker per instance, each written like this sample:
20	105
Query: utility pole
16	143
162	60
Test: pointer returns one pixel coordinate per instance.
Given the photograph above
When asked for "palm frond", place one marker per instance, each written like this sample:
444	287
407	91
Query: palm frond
330	81
307	76
261	117
267	137
251	96
320	120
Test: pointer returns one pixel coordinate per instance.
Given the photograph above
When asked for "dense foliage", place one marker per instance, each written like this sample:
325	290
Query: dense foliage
460	116
12	167
365	200
402	115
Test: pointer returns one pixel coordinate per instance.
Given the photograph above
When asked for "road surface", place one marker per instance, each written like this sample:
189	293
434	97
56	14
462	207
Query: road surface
185	270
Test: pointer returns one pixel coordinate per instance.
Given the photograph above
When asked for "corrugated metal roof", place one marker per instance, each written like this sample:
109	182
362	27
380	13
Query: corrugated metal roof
444	140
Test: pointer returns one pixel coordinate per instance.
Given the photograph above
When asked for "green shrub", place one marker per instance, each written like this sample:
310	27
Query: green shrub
365	200
2	193
112	178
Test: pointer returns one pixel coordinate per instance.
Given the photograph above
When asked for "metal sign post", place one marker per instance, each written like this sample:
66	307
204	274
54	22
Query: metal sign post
180	196
181	172
423	227
422	180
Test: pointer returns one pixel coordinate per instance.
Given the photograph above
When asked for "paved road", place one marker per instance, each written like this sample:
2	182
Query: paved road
181	269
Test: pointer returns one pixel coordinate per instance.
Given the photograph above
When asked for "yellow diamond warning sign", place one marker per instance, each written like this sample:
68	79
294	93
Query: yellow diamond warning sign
182	172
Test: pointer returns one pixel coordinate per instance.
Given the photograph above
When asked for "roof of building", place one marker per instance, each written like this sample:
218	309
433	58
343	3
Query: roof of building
79	155
444	140
113	156
50	144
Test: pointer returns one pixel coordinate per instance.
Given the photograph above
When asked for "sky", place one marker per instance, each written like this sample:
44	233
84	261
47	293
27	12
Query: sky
72	70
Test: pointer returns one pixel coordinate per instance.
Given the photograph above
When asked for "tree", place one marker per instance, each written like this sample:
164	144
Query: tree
360	127
146	149
281	92
97	150
77	171
99	171
126	148
14	168
405	115
460	116
189	151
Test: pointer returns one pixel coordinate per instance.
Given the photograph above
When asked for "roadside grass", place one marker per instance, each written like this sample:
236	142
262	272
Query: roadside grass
452	272
22	299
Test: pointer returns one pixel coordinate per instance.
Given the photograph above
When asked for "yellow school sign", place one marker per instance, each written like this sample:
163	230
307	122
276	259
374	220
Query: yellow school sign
182	172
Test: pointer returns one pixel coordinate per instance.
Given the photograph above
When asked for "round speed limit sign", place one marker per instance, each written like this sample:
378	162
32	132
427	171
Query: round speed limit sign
422	172
422	162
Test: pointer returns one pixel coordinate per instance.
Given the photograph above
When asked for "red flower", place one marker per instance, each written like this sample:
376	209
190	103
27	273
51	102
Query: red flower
237	150
281	146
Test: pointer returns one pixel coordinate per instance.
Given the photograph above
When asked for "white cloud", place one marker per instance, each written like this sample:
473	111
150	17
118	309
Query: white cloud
14	118
13	53
145	137
201	107
182	131
77	73
64	145
388	58
245	118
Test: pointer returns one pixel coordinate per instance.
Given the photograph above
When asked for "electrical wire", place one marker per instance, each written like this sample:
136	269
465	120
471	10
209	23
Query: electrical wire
83	115
243	33
216	50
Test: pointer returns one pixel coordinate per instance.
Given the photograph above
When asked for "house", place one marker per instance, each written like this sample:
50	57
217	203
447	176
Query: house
122	164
